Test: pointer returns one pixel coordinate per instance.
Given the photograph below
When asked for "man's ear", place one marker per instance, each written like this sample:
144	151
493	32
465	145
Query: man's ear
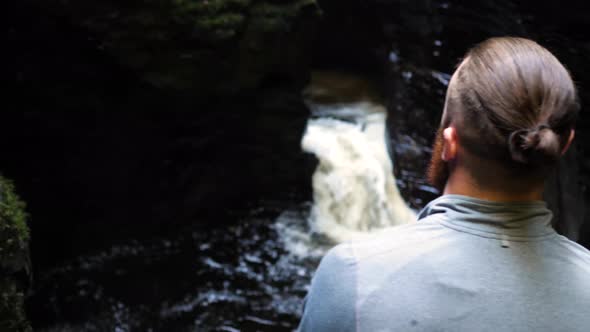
450	146
570	139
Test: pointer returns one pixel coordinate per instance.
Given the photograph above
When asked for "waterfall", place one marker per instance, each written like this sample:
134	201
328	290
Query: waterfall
354	188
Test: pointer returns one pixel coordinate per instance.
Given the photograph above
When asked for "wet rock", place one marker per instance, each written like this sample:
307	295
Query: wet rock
414	46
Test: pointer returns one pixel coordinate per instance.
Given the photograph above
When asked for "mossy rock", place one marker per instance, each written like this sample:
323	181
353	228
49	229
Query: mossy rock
279	17
226	20
14	232
201	46
14	259
210	6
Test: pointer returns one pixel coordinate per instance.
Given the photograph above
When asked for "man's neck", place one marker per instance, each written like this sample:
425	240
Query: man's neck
461	183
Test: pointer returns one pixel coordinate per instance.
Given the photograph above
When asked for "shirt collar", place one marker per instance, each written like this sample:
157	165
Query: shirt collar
501	220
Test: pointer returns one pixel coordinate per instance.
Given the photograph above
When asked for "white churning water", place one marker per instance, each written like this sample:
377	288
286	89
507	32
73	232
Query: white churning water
354	189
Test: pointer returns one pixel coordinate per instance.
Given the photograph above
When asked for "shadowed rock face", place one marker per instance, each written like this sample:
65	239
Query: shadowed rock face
415	45
142	117
212	46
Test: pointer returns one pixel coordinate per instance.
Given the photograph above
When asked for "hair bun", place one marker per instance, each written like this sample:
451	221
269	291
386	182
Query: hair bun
534	146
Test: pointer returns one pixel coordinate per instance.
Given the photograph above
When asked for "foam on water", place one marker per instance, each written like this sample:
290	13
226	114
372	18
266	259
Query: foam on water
354	189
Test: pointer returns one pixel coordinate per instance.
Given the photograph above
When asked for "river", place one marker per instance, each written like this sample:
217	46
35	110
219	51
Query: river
253	274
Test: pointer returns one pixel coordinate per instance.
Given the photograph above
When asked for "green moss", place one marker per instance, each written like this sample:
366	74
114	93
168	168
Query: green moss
214	19
221	21
141	34
13	218
210	6
14	232
286	10
220	27
277	17
14	258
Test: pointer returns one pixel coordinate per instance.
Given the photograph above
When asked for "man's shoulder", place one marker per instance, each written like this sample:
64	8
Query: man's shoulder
574	251
395	240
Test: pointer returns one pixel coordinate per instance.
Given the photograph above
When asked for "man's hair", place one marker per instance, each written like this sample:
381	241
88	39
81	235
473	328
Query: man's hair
512	103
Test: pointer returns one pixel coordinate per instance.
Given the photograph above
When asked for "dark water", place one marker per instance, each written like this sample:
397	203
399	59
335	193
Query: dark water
221	279
230	278
247	271
234	270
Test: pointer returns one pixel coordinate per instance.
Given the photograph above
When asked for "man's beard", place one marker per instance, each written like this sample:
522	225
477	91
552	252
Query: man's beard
438	169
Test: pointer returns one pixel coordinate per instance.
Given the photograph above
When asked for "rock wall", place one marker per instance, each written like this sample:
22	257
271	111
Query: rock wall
205	46
132	119
413	46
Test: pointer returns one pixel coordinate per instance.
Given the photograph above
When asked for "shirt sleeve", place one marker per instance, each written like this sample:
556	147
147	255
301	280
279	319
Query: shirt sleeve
330	303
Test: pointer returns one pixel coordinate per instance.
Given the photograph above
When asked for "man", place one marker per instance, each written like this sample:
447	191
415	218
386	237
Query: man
482	257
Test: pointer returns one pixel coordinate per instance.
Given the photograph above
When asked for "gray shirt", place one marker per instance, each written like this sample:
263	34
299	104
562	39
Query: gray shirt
466	265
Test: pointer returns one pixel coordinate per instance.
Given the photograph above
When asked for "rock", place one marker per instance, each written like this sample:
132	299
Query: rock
14	260
201	46
416	45
124	110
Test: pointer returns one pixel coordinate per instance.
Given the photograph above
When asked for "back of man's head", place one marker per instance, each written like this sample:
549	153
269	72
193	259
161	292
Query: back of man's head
513	105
